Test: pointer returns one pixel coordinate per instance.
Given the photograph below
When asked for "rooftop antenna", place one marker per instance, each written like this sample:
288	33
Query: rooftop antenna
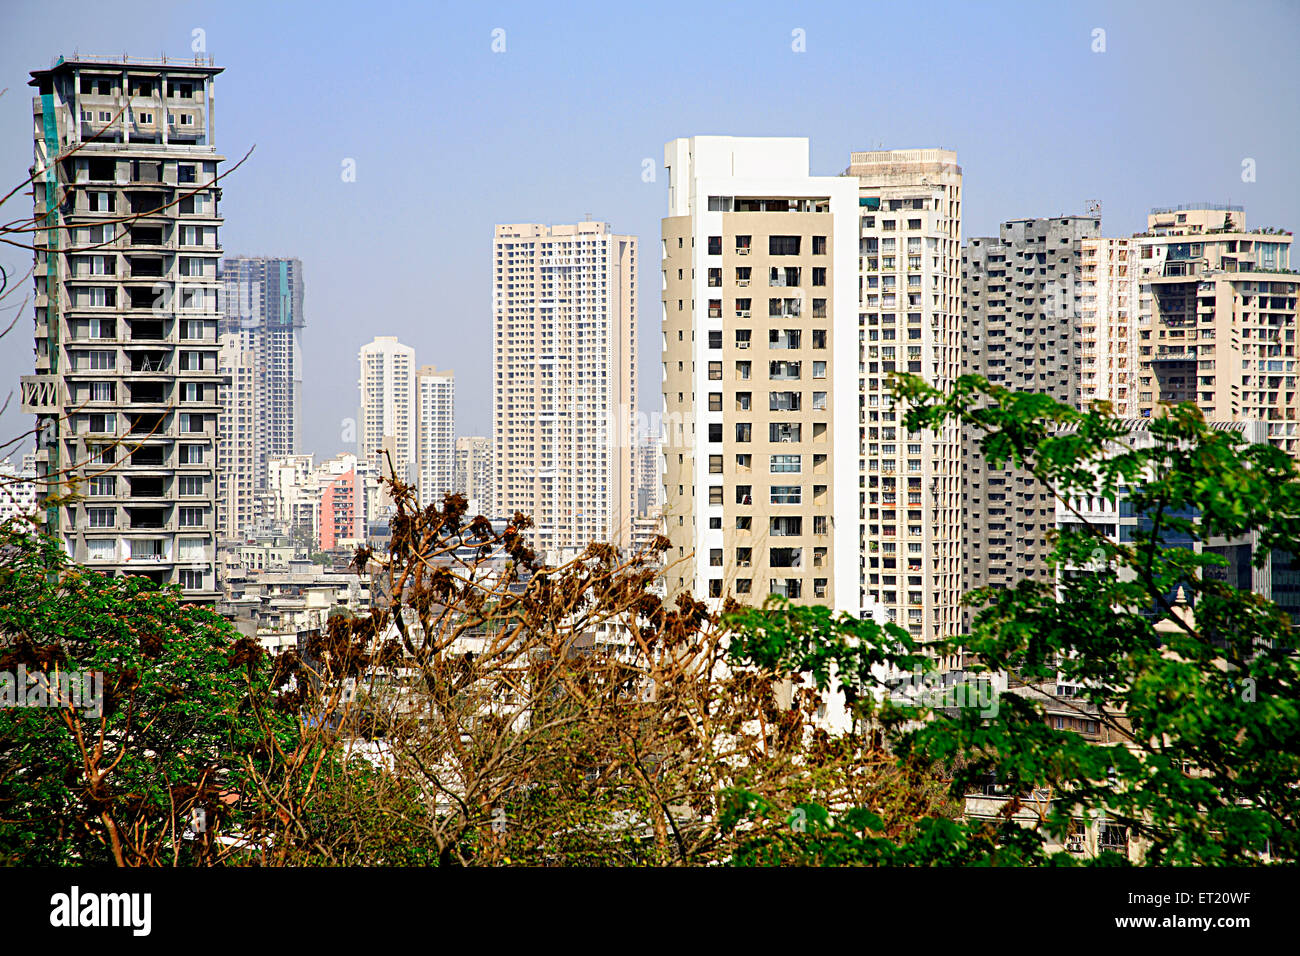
1093	206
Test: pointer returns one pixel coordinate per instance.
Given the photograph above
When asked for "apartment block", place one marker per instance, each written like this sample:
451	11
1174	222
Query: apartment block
262	305
435	432
236	438
1109	304
649	489
473	471
1217	319
760	390
564	381
126	382
1023	295
388	411
909	320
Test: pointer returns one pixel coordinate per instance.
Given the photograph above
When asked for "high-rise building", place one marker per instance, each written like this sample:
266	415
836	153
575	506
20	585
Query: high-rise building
126	383
1109	307
910	204
388	410
236	438
760	388
1023	295
435	430
649	488
1217	319
473	475
564	381
262	304
342	510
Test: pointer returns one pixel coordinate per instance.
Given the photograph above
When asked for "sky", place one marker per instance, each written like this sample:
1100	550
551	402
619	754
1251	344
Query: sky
1048	105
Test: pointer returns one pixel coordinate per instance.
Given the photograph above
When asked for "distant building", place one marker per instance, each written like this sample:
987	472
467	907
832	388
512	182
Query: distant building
19	489
649	487
262	305
473	475
237	468
388	412
564	380
435	427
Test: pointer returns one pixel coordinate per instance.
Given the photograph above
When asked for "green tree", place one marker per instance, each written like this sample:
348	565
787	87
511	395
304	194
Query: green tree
1199	703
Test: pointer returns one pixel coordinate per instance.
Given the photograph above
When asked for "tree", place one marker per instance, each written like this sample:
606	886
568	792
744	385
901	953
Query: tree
1194	679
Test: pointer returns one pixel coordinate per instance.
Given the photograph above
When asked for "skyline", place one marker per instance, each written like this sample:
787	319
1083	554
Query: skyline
290	198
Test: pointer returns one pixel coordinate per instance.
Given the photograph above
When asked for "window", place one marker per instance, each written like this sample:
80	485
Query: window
184	173
715	431
191	454
715	493
191	392
819	401
715	587
785	557
744	522
783	432
100	517
101	391
190	517
784	371
191	579
785	463
190	484
743	401
103	486
783	245
819	245
819	275
743	369
715	245
743	431
715	557
715	342
742	338
784	401
819	370
715	466
787	494
715	371
819	524
101	423
744	494
786	526
715	401
104	549
743	585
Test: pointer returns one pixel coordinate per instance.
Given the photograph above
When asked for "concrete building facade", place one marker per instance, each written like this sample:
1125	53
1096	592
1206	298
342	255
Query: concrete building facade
473	471
236	438
760	391
126	383
1023	297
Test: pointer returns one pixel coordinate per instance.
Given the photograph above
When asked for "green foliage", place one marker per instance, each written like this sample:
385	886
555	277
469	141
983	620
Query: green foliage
183	718
1201	715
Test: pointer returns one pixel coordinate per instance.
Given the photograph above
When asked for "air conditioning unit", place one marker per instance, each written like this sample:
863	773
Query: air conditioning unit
1074	846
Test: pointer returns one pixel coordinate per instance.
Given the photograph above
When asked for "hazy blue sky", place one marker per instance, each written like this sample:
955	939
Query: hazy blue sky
450	138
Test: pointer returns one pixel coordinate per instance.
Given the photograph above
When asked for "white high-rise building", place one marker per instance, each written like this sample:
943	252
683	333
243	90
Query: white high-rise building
435	426
388	413
473	474
564	381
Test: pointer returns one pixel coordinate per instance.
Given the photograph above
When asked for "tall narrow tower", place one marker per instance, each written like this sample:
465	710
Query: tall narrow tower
435	431
564	381
910	321
262	305
388	406
126	383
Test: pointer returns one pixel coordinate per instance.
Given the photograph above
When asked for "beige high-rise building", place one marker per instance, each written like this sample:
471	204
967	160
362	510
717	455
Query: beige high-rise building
435	427
236	438
388	413
910	321
1217	319
564	381
760	389
473	471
